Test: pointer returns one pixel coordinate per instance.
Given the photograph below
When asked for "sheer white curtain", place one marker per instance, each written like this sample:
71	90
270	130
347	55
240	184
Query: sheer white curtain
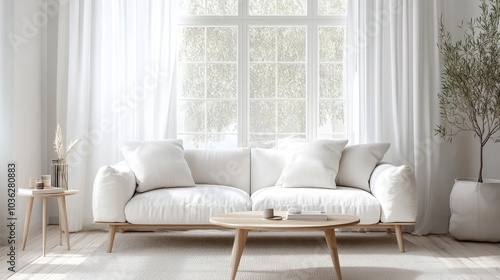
393	92
115	76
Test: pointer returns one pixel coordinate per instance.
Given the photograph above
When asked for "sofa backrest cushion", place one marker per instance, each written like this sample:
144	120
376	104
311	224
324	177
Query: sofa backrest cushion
220	167
267	166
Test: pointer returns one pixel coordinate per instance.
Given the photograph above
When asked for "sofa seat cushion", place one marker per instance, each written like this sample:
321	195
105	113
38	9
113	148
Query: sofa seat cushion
342	200
185	205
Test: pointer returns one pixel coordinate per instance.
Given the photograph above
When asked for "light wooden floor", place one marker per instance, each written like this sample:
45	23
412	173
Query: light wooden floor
467	260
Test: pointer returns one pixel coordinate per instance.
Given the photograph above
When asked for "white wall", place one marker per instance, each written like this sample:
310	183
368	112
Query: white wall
5	110
50	52
28	124
27	116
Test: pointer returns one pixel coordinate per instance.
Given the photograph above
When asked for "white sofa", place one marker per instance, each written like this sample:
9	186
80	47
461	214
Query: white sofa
245	179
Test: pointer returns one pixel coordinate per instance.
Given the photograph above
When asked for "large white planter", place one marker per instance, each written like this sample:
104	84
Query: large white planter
475	210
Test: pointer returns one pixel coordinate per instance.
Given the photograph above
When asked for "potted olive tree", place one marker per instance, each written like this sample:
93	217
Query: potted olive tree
470	101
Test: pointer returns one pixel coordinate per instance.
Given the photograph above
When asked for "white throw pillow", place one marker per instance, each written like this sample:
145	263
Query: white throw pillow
113	188
314	165
267	166
395	188
157	164
357	163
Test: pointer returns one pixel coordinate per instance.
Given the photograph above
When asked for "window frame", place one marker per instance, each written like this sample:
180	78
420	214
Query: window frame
312	21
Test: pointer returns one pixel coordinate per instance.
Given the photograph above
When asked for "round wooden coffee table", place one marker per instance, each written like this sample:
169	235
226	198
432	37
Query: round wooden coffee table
244	222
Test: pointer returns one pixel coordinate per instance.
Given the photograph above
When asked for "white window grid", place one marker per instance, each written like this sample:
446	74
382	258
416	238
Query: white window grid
243	21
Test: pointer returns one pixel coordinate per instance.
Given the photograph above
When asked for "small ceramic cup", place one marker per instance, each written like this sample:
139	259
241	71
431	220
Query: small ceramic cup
46	180
32	182
268	213
38	185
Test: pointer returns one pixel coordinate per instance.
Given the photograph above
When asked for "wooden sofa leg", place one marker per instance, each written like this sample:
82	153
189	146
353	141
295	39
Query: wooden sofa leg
111	237
399	236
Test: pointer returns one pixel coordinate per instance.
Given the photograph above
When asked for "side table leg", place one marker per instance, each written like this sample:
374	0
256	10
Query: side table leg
64	217
331	242
44	224
27	221
60	225
240	240
61	219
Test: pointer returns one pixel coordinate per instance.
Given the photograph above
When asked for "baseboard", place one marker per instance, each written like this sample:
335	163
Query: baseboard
91	226
87	224
54	220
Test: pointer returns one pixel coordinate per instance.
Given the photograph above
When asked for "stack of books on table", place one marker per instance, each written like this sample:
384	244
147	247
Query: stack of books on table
307	215
46	190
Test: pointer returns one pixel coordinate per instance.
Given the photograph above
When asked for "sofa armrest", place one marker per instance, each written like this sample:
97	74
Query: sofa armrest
114	186
395	189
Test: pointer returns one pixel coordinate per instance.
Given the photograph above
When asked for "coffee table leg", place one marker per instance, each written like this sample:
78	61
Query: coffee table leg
331	242
240	240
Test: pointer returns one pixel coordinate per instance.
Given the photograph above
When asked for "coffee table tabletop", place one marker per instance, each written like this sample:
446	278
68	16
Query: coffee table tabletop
243	222
253	220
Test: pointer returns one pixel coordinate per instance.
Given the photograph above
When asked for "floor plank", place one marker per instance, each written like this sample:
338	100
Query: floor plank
466	260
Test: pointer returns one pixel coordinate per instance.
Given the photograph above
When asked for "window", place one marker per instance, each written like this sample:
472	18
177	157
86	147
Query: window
260	73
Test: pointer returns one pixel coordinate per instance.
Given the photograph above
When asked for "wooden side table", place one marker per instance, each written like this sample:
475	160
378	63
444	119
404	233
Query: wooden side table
63	217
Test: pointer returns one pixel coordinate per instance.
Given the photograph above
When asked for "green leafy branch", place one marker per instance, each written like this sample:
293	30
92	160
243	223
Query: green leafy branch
470	93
